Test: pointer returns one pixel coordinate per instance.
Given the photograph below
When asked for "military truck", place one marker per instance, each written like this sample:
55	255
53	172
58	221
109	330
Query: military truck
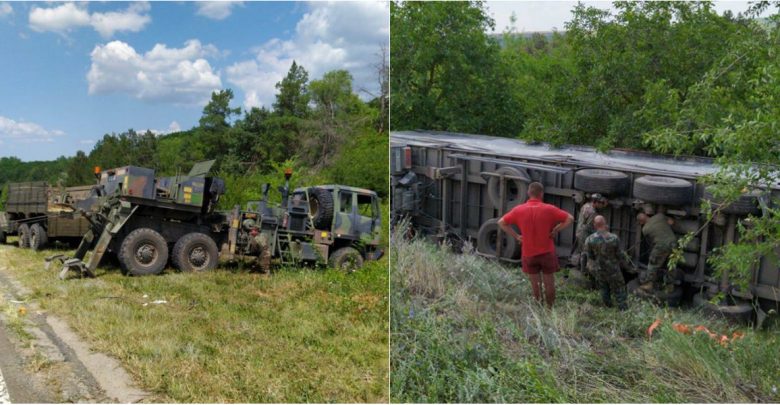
40	214
145	221
455	186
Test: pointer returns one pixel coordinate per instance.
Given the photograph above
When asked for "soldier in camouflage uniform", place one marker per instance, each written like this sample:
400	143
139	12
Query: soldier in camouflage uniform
604	261
585	228
658	231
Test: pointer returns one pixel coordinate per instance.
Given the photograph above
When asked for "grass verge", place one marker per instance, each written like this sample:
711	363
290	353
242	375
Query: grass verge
298	335
465	329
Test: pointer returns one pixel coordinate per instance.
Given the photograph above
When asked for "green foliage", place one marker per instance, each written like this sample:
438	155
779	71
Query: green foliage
293	97
217	113
362	162
446	72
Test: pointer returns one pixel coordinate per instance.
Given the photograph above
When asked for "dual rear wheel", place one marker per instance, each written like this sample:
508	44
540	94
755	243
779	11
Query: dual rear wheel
145	252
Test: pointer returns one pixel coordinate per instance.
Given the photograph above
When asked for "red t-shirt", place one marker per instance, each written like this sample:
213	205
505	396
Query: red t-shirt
536	220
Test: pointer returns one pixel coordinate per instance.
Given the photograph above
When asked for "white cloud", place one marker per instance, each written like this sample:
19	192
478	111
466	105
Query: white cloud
65	17
341	35
5	9
133	19
58	19
173	127
25	132
217	10
177	75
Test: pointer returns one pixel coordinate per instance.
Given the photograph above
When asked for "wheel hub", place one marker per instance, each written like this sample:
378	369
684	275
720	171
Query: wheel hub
146	253
199	257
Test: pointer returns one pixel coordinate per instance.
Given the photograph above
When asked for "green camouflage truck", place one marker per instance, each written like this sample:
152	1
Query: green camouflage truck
148	222
40	214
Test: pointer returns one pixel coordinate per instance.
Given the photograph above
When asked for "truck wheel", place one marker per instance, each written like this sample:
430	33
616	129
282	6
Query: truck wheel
321	208
487	241
38	238
347	259
741	312
195	252
663	190
143	252
24	236
608	182
515	189
746	203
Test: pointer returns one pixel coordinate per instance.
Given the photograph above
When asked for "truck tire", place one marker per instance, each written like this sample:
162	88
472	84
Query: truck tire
195	252
747	203
346	259
38	237
741	312
516	190
683	226
321	208
487	241
663	190
143	252
24	236
609	182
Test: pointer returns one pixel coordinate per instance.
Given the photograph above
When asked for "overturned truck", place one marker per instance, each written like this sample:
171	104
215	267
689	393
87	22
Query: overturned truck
147	222
455	186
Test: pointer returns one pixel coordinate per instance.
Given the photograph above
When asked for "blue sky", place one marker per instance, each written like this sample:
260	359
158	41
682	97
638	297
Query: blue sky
71	72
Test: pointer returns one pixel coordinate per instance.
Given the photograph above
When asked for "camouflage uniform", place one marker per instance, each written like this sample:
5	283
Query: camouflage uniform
663	240
604	261
585	229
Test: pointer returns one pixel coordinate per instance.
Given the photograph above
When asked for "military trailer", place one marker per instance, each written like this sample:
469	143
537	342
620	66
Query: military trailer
40	214
455	186
145	221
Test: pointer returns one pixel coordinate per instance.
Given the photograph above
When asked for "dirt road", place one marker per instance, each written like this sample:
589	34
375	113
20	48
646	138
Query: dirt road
42	360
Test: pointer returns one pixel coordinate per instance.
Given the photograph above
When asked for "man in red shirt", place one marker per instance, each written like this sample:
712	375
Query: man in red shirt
538	223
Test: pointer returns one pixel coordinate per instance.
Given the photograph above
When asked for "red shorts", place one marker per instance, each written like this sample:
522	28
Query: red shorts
546	263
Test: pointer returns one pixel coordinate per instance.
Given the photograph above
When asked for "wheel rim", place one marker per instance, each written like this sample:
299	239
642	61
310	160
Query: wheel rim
314	207
349	263
199	257
146	254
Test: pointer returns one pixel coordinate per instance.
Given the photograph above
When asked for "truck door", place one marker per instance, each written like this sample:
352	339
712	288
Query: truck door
367	220
344	221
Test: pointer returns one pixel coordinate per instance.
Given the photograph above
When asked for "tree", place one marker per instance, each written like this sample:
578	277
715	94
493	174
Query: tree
293	96
446	72
338	112
79	171
217	113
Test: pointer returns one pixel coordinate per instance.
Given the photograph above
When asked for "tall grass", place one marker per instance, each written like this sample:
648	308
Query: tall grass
465	329
297	335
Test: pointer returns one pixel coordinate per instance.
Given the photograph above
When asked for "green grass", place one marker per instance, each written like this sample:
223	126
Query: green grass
465	329
298	335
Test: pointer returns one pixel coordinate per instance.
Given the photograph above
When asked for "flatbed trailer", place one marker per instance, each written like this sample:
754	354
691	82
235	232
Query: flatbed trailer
40	214
453	185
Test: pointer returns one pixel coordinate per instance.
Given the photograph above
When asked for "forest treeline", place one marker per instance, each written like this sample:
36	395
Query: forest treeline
654	75
319	127
669	77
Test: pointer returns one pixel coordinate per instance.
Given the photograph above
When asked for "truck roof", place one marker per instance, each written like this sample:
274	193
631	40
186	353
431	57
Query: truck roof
689	167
